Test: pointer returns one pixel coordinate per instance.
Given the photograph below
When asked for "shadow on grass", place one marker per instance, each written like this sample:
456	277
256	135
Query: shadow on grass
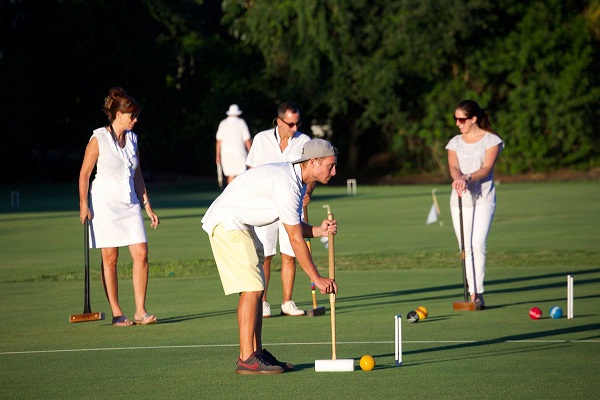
183	318
536	347
511	338
414	294
367	301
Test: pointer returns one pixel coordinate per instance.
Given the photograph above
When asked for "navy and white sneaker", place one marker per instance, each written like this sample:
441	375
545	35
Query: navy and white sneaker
270	358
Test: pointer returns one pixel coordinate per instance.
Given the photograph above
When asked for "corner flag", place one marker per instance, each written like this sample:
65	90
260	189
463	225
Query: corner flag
434	213
433	216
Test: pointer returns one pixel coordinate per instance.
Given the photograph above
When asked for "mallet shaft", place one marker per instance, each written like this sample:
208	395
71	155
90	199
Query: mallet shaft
332	295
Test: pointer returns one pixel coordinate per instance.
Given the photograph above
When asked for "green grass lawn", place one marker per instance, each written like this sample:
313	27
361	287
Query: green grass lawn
388	262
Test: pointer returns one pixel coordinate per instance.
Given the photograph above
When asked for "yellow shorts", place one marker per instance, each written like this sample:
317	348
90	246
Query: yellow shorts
239	257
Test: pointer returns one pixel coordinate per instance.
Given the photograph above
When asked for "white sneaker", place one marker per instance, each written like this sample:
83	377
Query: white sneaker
266	310
289	308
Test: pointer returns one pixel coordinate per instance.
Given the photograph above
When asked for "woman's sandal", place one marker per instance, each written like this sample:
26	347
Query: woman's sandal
121	321
147	319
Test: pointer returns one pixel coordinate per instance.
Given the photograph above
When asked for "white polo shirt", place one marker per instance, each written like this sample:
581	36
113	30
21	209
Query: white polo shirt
265	148
258	197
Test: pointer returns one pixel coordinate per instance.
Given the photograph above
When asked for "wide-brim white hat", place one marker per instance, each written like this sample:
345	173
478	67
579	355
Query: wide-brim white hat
234	110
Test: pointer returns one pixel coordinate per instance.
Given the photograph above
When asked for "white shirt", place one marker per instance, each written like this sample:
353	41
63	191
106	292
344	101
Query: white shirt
233	133
265	148
470	159
258	197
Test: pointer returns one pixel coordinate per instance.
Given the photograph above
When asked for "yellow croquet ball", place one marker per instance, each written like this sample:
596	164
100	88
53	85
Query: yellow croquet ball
367	363
422	311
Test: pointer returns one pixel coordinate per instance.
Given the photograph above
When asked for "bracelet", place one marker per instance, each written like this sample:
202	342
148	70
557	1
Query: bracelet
147	202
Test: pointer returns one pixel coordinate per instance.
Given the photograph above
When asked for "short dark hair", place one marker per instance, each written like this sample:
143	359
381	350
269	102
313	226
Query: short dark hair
285	107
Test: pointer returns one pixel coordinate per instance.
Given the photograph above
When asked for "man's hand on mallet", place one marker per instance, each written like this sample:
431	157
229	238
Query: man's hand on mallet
328	227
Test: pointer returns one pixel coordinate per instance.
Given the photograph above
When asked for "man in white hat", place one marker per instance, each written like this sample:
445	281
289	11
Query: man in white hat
283	143
233	143
258	197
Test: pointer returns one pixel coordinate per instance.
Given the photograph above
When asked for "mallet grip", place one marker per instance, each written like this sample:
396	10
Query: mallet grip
331	251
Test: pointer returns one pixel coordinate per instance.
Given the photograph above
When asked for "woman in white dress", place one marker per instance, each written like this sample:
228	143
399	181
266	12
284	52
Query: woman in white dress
113	207
471	158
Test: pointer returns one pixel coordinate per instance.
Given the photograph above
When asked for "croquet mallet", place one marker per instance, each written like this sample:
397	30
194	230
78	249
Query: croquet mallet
465	305
87	314
335	364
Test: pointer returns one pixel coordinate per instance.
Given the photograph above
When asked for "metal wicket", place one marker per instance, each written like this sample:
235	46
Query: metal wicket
351	187
398	339
569	296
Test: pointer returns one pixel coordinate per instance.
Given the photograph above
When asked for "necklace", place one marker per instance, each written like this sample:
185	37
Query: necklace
120	142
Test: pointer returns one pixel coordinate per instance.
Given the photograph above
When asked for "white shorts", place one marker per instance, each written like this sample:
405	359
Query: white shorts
233	162
239	259
268	237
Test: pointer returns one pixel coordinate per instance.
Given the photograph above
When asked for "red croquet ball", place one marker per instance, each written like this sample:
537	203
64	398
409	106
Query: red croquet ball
535	313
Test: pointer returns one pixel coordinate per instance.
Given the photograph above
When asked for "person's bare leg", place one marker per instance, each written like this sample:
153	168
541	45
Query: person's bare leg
267	272
288	276
258	327
110	280
139	255
249	322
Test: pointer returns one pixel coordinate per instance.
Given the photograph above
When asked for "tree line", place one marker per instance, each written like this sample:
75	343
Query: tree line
384	75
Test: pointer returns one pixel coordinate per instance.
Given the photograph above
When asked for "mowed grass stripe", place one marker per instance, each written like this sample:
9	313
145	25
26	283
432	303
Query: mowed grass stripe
196	346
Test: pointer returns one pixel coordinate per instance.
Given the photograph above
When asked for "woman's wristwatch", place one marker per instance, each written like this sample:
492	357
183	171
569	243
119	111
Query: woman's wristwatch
468	177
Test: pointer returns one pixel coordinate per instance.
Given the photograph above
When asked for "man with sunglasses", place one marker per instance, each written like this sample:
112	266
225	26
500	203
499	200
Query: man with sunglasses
283	143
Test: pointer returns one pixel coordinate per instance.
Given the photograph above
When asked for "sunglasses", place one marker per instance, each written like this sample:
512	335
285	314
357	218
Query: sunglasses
133	115
291	124
460	120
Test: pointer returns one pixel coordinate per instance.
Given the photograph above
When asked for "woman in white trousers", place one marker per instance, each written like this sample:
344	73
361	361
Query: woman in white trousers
471	158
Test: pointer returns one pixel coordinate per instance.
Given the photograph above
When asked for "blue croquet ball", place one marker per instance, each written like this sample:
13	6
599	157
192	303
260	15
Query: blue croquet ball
556	312
171	274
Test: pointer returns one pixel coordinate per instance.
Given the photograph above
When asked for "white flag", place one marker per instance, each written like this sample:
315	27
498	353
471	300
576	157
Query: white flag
433	216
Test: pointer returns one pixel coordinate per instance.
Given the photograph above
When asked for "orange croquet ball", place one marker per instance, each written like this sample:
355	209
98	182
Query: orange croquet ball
367	363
